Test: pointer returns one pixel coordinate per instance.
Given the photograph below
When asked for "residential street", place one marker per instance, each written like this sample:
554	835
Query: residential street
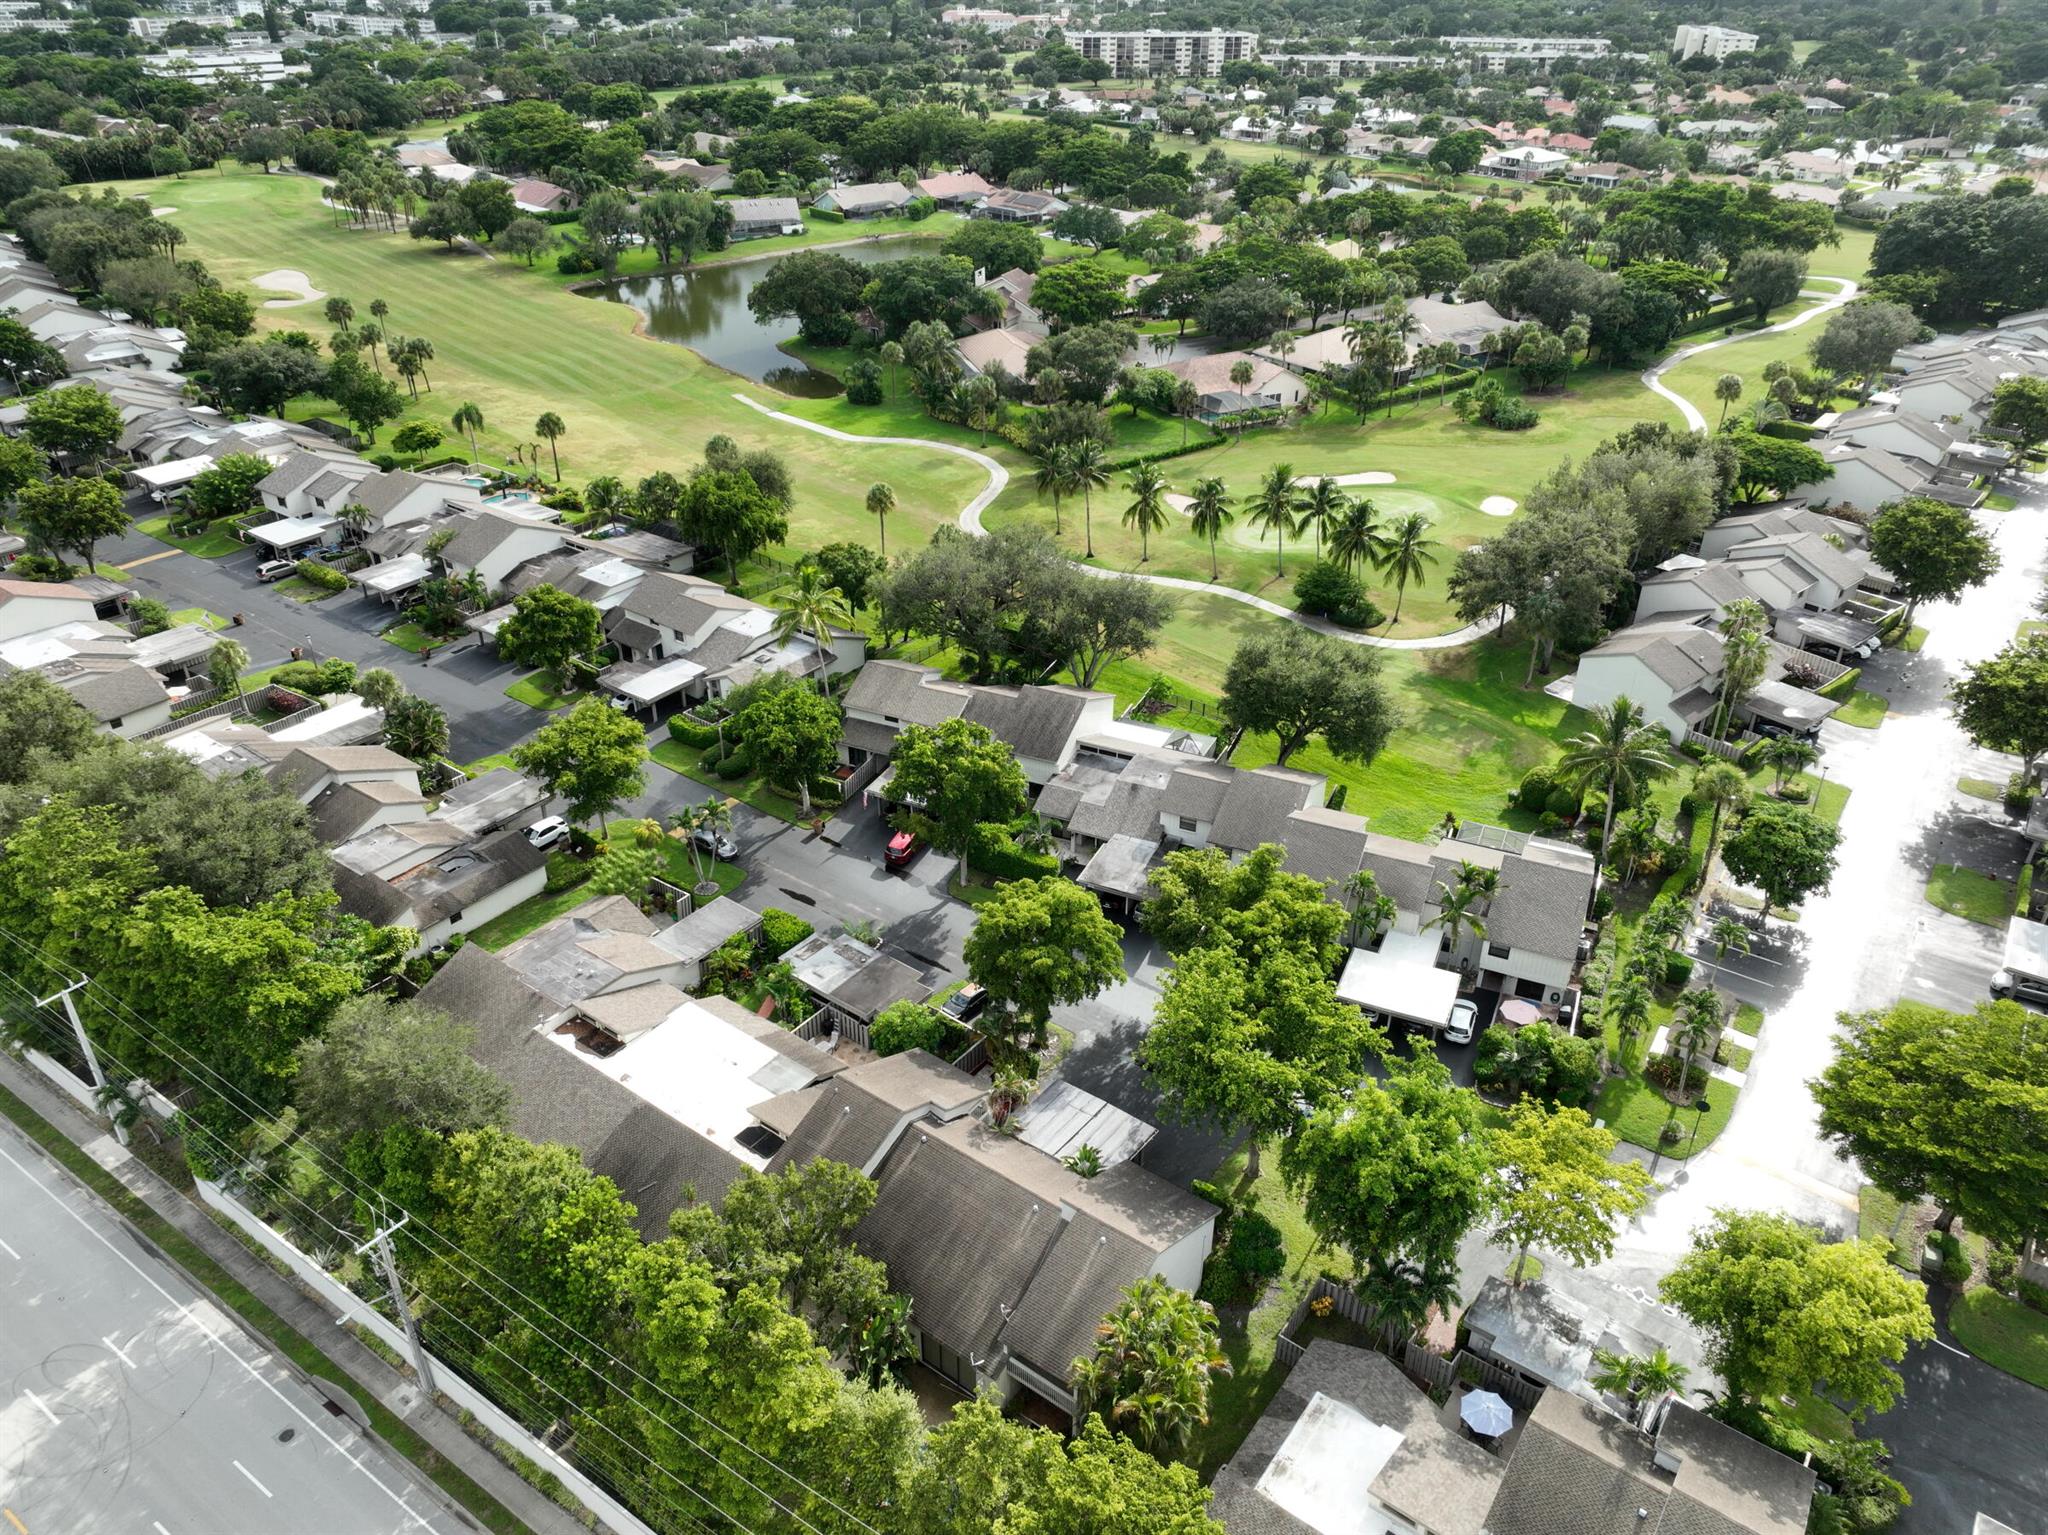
131	1402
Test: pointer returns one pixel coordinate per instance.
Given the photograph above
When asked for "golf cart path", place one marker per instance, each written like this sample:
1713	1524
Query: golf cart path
1653	377
999	479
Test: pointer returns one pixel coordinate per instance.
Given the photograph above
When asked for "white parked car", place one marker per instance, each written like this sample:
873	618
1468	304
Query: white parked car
1464	1023
547	833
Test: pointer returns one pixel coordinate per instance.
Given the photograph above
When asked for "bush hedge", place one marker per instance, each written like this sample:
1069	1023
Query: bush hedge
734	764
1842	686
1663	1071
1677	968
993	851
1534	793
826	215
782	931
313	573
688	731
907	1026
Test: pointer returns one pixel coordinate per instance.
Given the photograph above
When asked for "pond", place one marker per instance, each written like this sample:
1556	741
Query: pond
705	309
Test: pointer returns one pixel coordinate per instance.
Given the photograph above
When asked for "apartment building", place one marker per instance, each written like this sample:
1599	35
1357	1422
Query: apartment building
1717	43
1131	55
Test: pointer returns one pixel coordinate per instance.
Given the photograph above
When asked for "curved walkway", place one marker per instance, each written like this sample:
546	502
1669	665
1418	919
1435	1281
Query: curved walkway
1653	377
999	478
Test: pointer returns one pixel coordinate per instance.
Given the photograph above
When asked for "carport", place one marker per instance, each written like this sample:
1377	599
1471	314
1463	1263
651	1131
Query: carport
648	684
393	578
1400	979
1121	870
292	532
1790	708
1837	631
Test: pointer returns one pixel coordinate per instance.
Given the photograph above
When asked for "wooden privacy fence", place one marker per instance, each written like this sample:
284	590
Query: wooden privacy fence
1434	1372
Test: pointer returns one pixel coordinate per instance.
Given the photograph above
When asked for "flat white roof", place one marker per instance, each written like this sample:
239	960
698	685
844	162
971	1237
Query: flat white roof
2026	947
341	710
394	575
702	1072
178	471
1401	979
1325	1468
658	682
290	532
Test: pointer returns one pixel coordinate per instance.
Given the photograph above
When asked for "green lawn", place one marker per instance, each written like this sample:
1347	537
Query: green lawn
1747	358
537	911
536	691
1635	1111
1966	893
1864	709
1981	788
2003	1333
1749	1019
215	543
198	616
299	589
411	637
484	765
1999	501
632	405
303	1353
1914	639
754	789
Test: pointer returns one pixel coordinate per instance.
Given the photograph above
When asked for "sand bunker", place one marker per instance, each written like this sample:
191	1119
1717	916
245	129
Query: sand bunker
1498	506
1364	477
157	213
288	280
1185	505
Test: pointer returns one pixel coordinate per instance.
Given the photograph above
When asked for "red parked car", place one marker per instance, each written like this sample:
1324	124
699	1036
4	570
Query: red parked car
903	847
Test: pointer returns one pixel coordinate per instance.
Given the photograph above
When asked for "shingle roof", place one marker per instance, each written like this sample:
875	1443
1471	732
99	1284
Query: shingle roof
1196	791
1256	806
1077	1284
107	688
1325	844
1037	722
1542	901
1681	655
852	1116
916	695
1577	1467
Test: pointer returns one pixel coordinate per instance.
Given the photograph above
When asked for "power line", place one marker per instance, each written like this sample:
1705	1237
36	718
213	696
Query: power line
250	1109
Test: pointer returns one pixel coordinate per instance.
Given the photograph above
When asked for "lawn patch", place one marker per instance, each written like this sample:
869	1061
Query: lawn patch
299	589
1635	1111
484	765
536	691
1749	1019
751	789
1982	788
1968	893
411	637
2003	1333
1914	638
1864	709
213	544
1999	501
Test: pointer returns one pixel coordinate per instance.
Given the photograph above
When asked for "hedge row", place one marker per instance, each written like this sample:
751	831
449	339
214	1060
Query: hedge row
688	731
1842	686
994	852
328	579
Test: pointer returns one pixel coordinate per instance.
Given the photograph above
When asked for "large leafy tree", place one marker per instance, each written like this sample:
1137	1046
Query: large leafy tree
1860	339
1951	1107
1553	1186
1089	621
549	627
1768	468
1398	1168
1556	567
1247	1050
2002	701
1041	943
593	757
71	516
1785	1313
820	290
957	775
1083	292
1764	278
77	420
2019	405
1149	1374
227	489
1202	899
1782	851
1933	550
1297	684
792	734
39	720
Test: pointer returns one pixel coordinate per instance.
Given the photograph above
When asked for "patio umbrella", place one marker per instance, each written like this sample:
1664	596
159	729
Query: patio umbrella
1518	1012
1485	1413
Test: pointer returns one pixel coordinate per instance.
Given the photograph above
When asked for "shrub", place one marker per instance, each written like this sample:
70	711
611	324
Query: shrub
907	1026
826	215
1663	1070
691	733
994	852
1329	590
1562	801
575	260
918	209
864	382
1954	1262
582	843
1255	1250
728	965
2001	1267
1337	797
734	764
1677	968
1534	792
316	679
313	573
1842	686
2034	1295
782	931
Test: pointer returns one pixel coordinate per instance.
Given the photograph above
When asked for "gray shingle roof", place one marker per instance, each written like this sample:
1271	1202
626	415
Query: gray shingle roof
852	1117
1037	722
1325	844
106	688
1681	655
1579	1468
1257	804
1542	902
1078	1283
916	695
1196	791
1726	1480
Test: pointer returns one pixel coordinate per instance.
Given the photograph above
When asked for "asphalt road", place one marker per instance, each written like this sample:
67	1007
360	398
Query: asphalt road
1966	1439
130	1402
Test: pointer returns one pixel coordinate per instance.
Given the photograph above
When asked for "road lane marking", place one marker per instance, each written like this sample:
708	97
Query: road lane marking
149	559
255	1374
41	1407
252	1479
160	1530
110	1343
19	1527
1959	1353
10	1252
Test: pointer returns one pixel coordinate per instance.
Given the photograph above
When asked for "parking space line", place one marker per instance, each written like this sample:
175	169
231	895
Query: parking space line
110	1343
252	1479
41	1406
10	1251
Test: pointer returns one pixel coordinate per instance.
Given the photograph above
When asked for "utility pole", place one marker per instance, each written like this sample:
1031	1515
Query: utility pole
92	1059
387	1261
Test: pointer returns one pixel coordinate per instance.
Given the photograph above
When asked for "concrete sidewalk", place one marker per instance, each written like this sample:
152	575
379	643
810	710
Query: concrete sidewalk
308	1317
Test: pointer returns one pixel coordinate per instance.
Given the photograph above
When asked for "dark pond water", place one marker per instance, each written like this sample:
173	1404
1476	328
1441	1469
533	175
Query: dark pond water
705	309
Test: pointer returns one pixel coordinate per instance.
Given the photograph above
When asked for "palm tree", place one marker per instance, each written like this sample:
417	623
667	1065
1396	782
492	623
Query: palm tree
1089	467
1404	553
1619	749
379	687
1628	1008
1461	907
1274	510
1187	399
881	502
1055	476
1149	1373
225	663
686	821
813	606
1370	909
1402	1293
892	354
1643	1379
1787	757
1209	514
356	519
1727	389
1322	508
1693	1023
1355	540
468	418
339	312
552	427
1723	787
1745	653
1728	934
1147	511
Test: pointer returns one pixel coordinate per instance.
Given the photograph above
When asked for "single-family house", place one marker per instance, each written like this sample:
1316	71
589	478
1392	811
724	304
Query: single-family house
532	195
1602	175
681	636
987	350
1019	207
1865	478
1523	162
27	607
865	200
123	697
1014	289
432	877
955	189
754	218
1630	122
1270	387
